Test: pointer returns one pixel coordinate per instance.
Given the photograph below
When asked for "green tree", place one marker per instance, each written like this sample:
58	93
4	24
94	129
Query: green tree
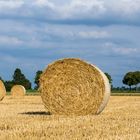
136	75
20	79
8	85
130	79
37	77
109	78
1	79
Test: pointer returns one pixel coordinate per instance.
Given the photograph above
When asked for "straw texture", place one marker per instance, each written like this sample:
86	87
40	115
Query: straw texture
2	91
74	87
18	91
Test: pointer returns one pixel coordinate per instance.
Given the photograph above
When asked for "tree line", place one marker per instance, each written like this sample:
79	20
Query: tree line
130	79
19	78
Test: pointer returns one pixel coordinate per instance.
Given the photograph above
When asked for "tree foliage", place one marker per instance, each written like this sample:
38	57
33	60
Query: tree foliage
109	77
37	77
20	79
131	78
1	79
137	77
8	85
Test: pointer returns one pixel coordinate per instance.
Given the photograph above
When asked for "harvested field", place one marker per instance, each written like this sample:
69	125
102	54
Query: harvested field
26	119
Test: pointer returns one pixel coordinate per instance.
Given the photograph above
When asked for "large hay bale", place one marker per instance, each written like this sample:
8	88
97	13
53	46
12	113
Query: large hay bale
2	91
74	87
18	91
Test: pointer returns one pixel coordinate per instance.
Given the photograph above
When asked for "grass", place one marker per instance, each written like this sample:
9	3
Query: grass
125	94
114	93
26	118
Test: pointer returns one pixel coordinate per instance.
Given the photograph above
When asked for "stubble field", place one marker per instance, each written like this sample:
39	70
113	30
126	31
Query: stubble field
25	119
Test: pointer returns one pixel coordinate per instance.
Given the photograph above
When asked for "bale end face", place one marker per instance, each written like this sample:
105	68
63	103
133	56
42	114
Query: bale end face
18	91
2	91
74	87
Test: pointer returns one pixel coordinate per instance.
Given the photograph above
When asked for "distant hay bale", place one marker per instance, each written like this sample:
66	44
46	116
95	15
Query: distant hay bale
18	91
2	91
74	87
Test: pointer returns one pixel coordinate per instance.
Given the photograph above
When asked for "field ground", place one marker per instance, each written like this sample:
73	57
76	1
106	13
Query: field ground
32	93
26	119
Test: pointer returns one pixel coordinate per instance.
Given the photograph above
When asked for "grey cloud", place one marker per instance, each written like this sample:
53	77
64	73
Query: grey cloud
74	12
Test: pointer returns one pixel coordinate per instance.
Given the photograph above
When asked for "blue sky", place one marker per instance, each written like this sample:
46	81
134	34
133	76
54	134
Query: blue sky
34	33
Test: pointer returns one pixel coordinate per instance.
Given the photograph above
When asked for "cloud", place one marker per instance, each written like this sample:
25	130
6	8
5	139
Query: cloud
93	34
89	12
82	9
96	8
10	4
121	50
125	51
43	3
7	40
125	7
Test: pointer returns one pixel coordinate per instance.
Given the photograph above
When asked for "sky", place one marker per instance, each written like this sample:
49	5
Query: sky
34	33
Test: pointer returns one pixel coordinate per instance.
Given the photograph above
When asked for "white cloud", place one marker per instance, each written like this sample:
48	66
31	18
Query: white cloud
125	8
93	34
7	40
125	51
81	9
76	32
120	50
100	8
108	10
43	3
10	4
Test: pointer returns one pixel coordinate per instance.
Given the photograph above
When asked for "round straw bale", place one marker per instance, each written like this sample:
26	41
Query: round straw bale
2	91
73	87
18	91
